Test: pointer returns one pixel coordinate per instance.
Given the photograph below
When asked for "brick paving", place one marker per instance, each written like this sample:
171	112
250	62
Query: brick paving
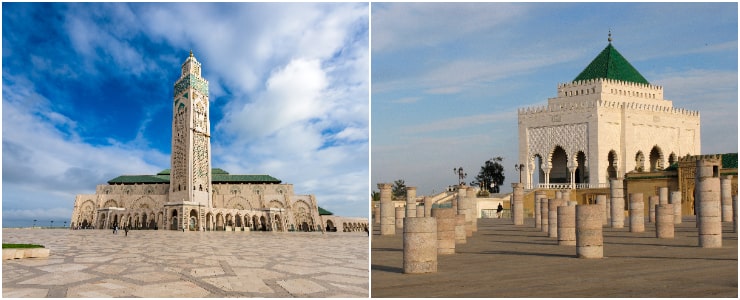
96	263
503	260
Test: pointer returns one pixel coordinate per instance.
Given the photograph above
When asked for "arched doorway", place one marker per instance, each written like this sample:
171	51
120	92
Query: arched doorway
611	169
263	224
656	159
209	220
193	221
255	223
173	223
330	226
220	222
278	223
559	172
671	159
304	226
581	171
639	162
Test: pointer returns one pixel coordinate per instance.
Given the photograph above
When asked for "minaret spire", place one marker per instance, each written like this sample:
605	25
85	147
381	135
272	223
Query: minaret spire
609	39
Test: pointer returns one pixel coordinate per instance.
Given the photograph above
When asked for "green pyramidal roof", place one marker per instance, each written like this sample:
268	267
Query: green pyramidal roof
612	65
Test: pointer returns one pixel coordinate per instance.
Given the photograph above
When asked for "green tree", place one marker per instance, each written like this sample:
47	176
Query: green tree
399	189
491	172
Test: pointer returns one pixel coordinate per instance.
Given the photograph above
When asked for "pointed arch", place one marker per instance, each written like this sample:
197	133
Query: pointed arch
656	159
558	159
612	165
639	162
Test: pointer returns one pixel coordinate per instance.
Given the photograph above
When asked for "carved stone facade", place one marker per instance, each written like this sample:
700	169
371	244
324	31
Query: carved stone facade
601	128
194	196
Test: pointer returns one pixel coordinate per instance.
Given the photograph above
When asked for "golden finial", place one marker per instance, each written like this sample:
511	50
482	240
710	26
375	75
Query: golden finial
610	36
191	52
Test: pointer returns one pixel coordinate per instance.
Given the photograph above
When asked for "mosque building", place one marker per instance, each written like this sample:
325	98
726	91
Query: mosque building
192	195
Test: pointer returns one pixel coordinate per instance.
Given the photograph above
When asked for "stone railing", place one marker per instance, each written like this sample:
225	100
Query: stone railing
567	186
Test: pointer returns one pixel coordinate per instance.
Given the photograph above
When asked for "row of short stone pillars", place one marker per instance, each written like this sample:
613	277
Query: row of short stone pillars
436	231
427	232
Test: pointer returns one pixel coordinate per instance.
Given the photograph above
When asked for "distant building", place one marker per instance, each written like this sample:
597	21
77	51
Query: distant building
606	122
194	196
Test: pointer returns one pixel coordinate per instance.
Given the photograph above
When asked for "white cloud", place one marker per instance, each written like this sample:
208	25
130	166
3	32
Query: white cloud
293	94
409	25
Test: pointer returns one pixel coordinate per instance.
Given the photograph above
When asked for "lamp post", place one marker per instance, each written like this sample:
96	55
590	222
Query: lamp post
34	223
52	224
65	224
460	175
519	167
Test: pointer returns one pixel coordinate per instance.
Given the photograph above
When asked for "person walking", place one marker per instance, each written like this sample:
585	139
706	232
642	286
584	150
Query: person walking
499	210
125	230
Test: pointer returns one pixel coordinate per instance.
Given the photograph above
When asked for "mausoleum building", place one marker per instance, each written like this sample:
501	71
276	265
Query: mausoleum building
606	122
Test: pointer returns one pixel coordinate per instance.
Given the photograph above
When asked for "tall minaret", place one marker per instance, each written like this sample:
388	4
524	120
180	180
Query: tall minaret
190	175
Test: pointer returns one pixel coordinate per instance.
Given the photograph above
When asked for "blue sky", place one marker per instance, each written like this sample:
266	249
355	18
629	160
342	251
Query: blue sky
447	78
87	91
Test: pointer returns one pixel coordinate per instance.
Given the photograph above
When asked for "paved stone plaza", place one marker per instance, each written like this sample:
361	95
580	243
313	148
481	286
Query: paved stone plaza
503	260
96	263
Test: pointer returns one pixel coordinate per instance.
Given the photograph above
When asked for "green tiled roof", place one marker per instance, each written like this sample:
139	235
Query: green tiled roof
131	179
324	212
729	161
219	176
612	65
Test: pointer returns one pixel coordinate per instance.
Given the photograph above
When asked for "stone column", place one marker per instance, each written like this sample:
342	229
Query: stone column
461	192
558	194
589	235
566	225
377	214
400	213
734	215
676	201
608	211
460	229
572	170
652	202
617	203
419	211
428	206
726	195
553	216
663	195
419	245
387	211
545	216
566	195
445	230
472	212
518	203
538	195
601	200
637	213
410	201
707	185
664	221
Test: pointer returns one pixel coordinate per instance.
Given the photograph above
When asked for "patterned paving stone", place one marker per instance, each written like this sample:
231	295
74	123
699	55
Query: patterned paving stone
247	284
301	287
165	264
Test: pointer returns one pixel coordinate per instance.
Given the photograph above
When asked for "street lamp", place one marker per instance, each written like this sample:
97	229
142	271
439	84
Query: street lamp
52	223
460	174
519	167
34	223
65	224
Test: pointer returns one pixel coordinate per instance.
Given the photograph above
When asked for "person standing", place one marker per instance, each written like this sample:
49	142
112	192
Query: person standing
499	210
